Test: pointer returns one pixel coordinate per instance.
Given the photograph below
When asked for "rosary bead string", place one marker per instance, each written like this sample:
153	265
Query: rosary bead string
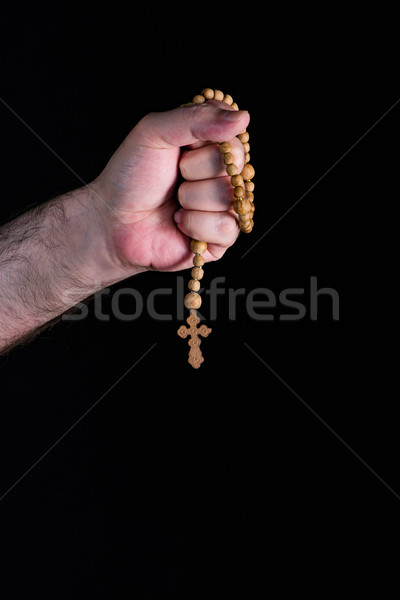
243	205
243	189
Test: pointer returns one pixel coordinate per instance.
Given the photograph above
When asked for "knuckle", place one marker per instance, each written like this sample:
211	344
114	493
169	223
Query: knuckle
145	124
225	189
189	221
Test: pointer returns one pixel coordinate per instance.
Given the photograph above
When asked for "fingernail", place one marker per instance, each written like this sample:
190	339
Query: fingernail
177	216
234	115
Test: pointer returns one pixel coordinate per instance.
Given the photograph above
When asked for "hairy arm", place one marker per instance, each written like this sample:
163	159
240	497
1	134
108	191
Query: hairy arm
51	257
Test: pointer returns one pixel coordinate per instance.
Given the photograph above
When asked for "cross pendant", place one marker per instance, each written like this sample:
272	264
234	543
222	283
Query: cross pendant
195	356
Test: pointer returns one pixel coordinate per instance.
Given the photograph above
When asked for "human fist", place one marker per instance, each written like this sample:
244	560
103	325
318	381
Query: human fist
146	216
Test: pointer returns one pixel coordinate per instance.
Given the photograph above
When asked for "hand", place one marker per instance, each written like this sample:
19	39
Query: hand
137	193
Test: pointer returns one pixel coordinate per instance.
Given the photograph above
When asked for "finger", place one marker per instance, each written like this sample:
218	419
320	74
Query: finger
184	126
208	162
213	227
217	104
208	195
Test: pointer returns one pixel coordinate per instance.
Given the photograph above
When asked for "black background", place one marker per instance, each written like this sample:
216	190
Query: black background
219	482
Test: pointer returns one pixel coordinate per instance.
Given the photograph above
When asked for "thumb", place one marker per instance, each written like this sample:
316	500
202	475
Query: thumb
187	125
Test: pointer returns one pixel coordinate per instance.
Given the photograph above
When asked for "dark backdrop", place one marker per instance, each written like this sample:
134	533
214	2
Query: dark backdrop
271	472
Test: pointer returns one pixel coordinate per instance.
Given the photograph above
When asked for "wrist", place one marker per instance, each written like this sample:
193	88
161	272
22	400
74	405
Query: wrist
94	253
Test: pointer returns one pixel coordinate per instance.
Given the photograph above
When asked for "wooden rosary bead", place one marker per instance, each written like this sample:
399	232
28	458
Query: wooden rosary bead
197	273
232	169
235	106
241	207
192	300
247	227
198	247
248	172
244	137
198	260
194	285
250	212
225	147
229	158
199	99
249	186
237	180
218	95
246	217
246	158
239	192
208	93
246	147
249	196
228	99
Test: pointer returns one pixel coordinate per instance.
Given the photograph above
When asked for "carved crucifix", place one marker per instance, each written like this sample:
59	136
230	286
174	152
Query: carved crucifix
195	356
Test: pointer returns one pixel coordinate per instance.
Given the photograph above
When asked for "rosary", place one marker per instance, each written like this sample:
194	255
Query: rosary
243	205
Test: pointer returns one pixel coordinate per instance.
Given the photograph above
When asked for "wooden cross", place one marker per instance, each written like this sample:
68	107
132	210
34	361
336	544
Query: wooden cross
195	356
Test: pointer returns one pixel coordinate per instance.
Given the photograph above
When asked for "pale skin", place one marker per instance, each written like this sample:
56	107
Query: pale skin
165	184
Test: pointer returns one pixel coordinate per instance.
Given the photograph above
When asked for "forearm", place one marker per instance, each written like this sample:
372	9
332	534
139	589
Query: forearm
51	258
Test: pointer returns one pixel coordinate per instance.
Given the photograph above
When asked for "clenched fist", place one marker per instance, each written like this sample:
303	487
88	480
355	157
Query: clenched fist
147	217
